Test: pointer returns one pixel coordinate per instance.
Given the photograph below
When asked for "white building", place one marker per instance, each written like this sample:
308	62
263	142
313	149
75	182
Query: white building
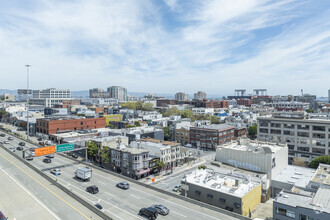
200	95
49	97
118	92
203	111
24	94
180	96
256	156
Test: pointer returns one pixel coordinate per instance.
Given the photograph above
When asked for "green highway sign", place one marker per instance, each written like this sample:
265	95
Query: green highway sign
64	147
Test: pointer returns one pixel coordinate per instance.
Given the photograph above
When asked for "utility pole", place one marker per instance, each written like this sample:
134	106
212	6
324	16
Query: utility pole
27	102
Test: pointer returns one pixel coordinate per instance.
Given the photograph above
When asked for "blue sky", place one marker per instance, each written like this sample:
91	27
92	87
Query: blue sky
167	46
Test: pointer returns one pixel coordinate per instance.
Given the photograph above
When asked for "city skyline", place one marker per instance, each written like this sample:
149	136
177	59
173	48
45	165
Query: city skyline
167	46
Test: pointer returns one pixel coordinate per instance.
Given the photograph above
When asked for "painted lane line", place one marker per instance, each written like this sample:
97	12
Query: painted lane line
102	183
113	214
31	195
134	196
179	214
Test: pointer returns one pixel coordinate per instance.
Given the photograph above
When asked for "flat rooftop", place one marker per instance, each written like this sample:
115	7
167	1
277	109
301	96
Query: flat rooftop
253	146
215	127
235	185
322	175
152	140
295	175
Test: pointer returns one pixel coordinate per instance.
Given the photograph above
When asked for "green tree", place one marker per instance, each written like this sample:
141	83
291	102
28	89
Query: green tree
172	111
160	165
129	105
166	133
137	124
252	130
105	154
138	105
187	114
325	159
202	167
147	106
92	149
309	111
214	119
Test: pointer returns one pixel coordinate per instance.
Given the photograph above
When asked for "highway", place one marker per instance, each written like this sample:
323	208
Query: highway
117	203
26	195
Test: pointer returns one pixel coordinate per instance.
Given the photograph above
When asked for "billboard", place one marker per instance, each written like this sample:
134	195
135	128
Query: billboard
64	147
44	151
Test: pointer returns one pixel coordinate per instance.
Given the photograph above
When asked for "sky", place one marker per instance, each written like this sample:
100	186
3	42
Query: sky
167	46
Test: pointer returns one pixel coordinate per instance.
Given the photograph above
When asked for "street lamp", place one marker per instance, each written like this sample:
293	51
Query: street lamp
27	102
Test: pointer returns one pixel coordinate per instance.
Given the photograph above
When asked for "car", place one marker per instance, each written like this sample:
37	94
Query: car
150	212
39	139
6	142
123	185
47	160
161	209
12	149
19	148
92	189
74	155
2	216
1	142
50	155
2	135
29	158
21	143
56	171
10	138
176	188
98	206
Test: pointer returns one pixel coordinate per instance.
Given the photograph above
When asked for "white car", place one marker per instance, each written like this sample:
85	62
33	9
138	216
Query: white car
56	171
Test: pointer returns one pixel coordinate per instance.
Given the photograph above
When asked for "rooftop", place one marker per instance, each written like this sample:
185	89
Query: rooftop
295	175
159	141
215	127
124	148
253	146
237	185
322	175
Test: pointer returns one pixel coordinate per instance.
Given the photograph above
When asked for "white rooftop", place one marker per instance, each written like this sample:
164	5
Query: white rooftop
295	175
236	185
253	146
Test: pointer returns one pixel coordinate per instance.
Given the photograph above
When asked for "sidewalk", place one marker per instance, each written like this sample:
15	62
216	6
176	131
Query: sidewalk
177	170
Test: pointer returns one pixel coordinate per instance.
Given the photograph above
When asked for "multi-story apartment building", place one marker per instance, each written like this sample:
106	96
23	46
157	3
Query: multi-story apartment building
167	151
58	125
245	102
182	135
292	106
180	96
118	92
24	94
200	95
98	93
49	97
131	162
210	136
306	138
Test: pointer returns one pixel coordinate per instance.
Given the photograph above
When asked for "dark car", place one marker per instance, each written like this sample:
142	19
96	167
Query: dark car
21	144
150	212
39	139
74	155
92	189
2	135
10	138
161	209
123	185
2	216
98	206
29	158
47	160
19	148
50	156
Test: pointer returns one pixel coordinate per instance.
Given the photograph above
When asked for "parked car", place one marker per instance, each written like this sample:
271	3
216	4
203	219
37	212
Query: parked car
98	206
6	142
92	189
161	209
50	155
150	212
21	143
10	138
2	135
12	149
56	171
176	188
74	155
123	185
39	139
19	148
29	158
47	160
1	142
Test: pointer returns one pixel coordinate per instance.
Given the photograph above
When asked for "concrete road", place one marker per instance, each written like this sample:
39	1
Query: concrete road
118	203
26	195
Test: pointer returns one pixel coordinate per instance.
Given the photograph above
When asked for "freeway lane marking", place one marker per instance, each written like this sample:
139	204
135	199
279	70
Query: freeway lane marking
45	187
113	214
30	194
102	183
134	196
179	214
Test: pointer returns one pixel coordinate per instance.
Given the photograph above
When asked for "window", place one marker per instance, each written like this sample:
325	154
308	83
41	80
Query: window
94	122
209	196
237	205
198	193
302	134
316	135
221	200
81	123
318	128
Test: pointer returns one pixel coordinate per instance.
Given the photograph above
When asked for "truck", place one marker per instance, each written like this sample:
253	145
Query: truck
83	173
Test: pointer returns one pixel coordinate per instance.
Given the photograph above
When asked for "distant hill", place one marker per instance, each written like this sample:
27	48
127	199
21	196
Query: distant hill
11	92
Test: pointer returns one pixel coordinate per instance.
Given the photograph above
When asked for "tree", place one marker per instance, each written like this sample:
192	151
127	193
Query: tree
252	130
92	149
172	111
187	114
137	124
129	105
298	161
309	111
104	154
160	165
214	119
147	106
202	167
325	159
166	133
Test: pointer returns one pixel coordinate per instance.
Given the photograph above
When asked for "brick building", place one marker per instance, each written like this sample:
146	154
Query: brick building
240	132
182	135
53	126
210	136
245	102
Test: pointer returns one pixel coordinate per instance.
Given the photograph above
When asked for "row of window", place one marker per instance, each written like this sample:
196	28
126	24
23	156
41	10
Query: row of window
221	200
